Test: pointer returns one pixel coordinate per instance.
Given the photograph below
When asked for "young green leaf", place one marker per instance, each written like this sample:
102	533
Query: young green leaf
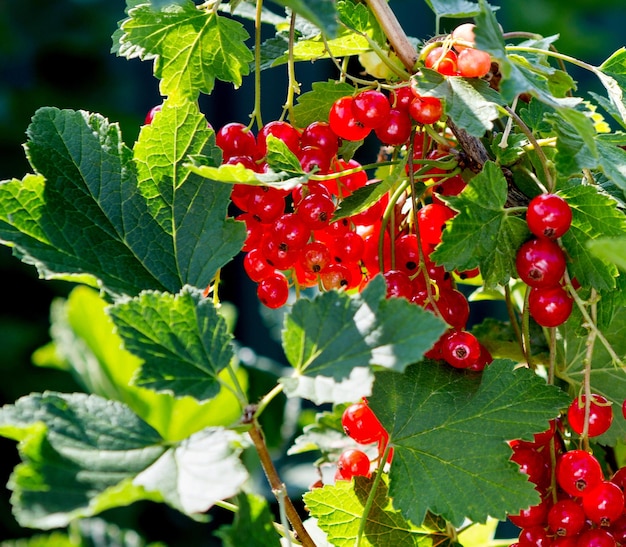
339	510
335	333
449	427
191	47
281	159
181	338
482	234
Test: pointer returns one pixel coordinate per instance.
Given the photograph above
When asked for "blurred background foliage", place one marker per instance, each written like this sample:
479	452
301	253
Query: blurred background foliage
58	54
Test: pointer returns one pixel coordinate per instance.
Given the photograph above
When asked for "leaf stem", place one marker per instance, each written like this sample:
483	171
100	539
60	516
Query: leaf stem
278	487
267	399
370	499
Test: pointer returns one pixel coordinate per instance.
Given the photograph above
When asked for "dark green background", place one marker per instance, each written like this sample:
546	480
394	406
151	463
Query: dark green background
56	53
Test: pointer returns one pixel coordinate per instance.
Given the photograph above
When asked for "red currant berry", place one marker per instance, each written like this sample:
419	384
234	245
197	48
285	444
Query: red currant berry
278	255
256	266
320	135
550	306
336	276
442	60
273	291
540	263
361	424
577	471
290	230
473	63
314	257
600	415
316	210
314	159
532	463
398	284
343	122
401	98
396	130
352	463
548	215
281	130
266	203
431	222
453	307
566	518
426	110
619	478
604	503
236	140
535	536
596	537
371	108
534	515
348	247
460	349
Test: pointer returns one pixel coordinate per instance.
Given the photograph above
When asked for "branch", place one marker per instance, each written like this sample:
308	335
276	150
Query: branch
393	30
278	487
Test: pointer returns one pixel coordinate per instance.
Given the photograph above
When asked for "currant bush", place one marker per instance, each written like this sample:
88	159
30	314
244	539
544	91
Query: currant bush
434	235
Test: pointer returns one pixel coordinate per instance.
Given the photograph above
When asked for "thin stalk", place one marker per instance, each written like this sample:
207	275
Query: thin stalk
277	485
513	317
282	530
549	182
269	397
370	500
556	55
256	114
292	87
526	329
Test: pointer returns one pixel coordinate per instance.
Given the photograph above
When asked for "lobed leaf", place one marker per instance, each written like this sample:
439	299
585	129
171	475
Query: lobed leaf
315	105
449	427
339	510
191	47
482	233
92	211
335	334
183	341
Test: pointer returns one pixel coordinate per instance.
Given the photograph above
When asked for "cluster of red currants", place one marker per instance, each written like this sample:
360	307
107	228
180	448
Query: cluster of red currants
361	425
541	263
458	56
579	507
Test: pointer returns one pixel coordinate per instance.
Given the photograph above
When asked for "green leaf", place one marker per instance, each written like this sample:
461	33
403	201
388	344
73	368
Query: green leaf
191	47
355	16
79	214
610	249
594	215
451	427
81	462
199	471
612	74
253	524
453	8
85	337
470	102
181	338
482	233
339	510
315	105
322	13
335	333
281	159
607	377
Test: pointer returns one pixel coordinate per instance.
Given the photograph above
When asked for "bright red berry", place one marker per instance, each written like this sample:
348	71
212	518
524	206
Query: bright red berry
283	131
442	60
361	424
548	215
371	108
577	471
152	113
343	122
540	263
273	291
600	415
352	463
431	221
550	306
426	110
460	348
604	503
396	130
473	63
566	518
